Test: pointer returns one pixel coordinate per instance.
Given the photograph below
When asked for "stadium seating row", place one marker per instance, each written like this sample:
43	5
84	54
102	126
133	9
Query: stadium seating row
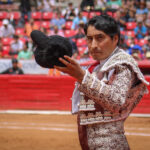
46	15
35	15
79	42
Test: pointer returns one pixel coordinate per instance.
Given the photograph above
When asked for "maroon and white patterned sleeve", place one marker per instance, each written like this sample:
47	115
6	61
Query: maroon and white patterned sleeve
110	93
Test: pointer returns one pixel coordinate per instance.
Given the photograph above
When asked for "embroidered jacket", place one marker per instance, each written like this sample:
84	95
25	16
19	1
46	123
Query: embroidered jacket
112	91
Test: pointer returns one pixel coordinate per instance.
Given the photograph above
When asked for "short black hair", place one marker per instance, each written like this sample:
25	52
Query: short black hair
70	3
14	60
105	23
16	36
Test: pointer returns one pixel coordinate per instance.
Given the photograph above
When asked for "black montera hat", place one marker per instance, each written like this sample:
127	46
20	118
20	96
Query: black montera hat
50	48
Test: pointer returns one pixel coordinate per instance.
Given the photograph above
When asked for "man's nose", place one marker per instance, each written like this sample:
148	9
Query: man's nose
94	44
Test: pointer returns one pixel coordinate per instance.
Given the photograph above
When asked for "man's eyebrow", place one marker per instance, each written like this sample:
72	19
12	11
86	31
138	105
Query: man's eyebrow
99	34
88	36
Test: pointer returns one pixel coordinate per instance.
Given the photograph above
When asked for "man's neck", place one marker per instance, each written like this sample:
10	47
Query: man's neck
103	61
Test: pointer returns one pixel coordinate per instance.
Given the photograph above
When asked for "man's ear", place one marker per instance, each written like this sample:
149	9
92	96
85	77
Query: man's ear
116	39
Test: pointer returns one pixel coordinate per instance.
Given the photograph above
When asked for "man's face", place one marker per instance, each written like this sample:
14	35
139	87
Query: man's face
59	15
15	65
80	15
5	25
140	24
16	40
100	44
149	42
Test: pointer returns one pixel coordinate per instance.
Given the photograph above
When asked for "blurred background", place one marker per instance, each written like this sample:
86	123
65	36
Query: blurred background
18	18
25	87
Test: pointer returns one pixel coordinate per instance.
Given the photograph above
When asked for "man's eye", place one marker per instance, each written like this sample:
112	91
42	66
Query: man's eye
89	39
99	37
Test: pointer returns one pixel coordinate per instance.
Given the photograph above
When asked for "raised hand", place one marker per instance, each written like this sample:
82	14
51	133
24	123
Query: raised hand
72	68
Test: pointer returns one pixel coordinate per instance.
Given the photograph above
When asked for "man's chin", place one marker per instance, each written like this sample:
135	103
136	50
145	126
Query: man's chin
98	58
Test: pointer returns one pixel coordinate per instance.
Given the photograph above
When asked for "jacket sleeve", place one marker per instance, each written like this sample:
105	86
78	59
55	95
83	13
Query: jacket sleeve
6	71
110	94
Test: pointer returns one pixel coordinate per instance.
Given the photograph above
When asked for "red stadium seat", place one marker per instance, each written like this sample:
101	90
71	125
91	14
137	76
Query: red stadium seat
122	32
0	23
36	15
23	39
6	48
109	13
92	14
5	51
81	42
128	41
6	41
68	25
45	24
130	33
130	25
3	15
16	15
114	15
85	14
69	33
47	15
142	42
74	40
136	41
25	17
81	50
37	23
20	31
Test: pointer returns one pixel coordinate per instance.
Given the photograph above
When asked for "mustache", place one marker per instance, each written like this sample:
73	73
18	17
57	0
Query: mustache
96	50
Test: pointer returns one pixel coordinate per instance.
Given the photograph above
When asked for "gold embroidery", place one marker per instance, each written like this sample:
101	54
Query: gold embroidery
83	118
90	117
116	97
90	105
99	116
